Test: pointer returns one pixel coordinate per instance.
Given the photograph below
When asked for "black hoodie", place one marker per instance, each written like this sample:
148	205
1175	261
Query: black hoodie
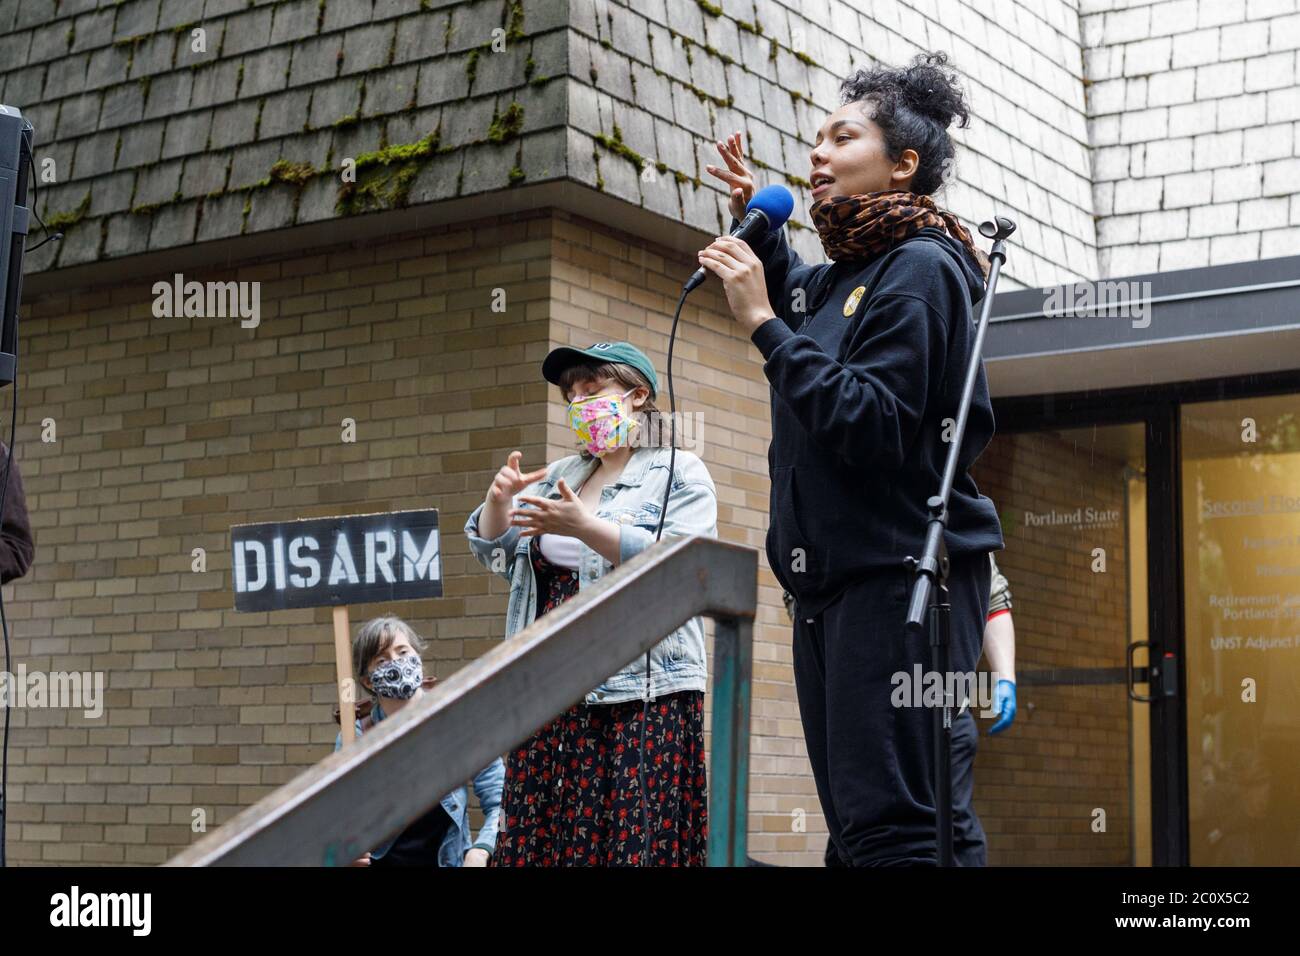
860	391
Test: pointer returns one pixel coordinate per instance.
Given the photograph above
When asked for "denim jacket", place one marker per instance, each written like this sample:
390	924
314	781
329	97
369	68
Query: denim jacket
488	785
633	502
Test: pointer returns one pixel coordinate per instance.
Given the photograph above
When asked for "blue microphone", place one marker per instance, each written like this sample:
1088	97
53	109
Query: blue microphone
768	210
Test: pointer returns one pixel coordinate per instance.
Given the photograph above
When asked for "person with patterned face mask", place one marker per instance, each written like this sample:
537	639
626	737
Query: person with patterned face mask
386	662
573	794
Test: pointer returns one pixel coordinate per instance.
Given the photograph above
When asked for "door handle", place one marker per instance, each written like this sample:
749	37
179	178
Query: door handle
1131	676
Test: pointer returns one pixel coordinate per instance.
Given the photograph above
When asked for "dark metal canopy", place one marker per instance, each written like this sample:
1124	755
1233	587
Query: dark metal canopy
1236	319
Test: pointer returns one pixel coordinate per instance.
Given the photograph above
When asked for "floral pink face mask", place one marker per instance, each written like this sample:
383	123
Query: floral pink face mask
602	422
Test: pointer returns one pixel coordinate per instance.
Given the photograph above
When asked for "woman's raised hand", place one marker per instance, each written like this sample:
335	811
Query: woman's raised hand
739	180
510	481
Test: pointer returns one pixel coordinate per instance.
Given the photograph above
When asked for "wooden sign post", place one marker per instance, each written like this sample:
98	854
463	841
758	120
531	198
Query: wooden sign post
335	562
343	674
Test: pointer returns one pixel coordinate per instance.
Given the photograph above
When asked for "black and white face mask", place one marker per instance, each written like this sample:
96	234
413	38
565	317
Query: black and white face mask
399	678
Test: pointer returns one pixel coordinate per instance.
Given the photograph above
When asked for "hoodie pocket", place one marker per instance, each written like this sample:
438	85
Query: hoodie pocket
798	562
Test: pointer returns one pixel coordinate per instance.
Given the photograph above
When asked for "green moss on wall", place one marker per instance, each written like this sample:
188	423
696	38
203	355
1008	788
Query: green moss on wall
471	66
712	51
387	188
517	174
515	25
66	220
402	153
384	177
616	145
296	174
710	98
506	126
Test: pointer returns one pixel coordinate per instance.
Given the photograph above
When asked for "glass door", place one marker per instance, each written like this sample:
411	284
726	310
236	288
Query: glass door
1241	595
1069	783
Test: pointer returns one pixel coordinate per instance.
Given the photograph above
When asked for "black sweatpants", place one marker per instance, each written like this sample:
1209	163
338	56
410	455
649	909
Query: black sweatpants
873	762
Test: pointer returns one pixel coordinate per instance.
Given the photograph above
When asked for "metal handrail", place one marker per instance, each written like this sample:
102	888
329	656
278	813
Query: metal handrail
361	795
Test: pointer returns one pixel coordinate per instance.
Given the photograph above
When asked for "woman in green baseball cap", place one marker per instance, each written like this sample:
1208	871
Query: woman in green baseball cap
574	793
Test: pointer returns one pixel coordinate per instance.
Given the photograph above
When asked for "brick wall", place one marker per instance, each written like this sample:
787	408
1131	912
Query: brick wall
1194	112
171	430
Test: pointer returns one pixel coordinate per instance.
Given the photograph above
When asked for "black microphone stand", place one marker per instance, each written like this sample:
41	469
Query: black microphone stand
929	607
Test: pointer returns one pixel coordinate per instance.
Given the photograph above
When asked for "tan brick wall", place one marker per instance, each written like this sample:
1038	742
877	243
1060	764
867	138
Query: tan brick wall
1037	784
171	430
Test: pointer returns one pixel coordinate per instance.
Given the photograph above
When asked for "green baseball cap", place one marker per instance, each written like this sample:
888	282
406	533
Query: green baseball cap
624	352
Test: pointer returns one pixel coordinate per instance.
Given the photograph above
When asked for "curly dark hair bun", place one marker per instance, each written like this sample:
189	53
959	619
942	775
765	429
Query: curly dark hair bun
927	88
914	106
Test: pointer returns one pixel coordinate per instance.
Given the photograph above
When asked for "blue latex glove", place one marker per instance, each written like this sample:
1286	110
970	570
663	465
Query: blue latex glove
1004	702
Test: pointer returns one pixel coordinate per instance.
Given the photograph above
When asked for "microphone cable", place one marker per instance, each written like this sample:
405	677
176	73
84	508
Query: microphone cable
663	515
770	212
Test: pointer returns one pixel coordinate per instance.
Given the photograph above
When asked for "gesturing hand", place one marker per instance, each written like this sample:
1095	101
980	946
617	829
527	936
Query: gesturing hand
569	515
510	481
738	178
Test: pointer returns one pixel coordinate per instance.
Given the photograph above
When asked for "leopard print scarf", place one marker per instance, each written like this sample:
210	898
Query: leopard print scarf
864	226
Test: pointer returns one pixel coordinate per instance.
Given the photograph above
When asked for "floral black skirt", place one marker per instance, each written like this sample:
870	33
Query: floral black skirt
573	794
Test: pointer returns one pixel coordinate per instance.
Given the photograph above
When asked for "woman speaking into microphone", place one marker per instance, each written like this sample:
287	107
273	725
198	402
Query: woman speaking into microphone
866	358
